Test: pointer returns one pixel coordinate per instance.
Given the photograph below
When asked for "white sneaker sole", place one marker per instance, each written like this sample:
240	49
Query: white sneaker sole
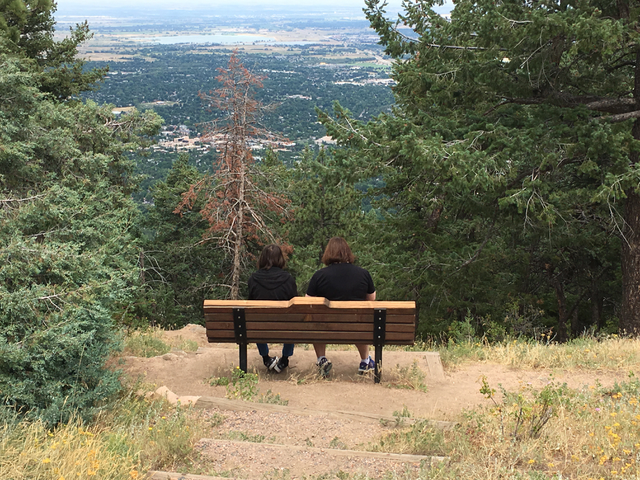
273	364
325	368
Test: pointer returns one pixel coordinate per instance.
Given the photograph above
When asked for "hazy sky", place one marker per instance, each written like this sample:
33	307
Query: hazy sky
77	6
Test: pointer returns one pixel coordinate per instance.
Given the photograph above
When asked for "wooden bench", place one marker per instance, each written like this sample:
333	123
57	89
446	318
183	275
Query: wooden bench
310	320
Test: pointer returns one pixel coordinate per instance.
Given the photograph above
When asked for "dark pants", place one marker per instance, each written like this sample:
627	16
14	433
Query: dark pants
287	349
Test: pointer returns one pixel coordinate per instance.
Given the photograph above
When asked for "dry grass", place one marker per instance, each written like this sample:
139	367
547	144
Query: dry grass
556	432
28	450
590	434
610	353
406	377
146	343
134	436
553	433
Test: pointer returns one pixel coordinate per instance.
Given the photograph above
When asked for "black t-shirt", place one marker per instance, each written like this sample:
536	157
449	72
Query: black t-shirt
341	281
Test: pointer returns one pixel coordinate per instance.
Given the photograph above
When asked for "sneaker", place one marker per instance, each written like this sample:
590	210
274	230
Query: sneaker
324	366
366	366
270	362
281	364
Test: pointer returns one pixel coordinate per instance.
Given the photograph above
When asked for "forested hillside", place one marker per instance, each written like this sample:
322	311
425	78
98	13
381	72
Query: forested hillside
168	79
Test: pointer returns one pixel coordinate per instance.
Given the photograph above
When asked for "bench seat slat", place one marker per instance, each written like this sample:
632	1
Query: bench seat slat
320	326
308	326
313	336
298	318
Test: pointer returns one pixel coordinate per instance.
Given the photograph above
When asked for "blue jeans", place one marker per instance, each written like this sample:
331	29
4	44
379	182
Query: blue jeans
287	349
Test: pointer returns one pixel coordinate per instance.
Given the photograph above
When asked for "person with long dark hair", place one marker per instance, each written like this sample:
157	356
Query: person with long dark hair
340	279
272	282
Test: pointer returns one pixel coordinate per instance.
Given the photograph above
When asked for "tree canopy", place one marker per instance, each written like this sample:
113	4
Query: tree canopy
510	162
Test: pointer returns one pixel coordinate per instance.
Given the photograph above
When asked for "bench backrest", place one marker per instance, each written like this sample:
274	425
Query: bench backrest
309	320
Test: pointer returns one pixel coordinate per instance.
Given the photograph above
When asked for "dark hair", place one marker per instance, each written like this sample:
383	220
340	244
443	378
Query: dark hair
337	251
271	256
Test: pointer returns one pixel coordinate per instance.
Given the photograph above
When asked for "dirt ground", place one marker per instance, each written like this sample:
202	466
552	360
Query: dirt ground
249	443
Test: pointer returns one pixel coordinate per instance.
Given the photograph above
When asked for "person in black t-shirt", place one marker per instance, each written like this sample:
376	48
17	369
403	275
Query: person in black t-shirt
271	282
341	280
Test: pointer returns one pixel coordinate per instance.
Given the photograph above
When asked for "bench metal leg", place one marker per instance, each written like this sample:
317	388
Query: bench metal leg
243	356
240	330
378	373
379	337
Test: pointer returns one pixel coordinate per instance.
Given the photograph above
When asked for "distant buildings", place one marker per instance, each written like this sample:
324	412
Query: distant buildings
326	140
178	139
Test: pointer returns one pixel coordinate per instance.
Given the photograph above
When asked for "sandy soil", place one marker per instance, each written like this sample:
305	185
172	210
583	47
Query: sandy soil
248	444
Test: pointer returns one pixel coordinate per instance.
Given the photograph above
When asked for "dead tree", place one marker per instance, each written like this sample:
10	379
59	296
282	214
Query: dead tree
235	207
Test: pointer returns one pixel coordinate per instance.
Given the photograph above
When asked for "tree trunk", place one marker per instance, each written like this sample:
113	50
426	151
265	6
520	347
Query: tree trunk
630	256
237	244
563	315
596	304
630	318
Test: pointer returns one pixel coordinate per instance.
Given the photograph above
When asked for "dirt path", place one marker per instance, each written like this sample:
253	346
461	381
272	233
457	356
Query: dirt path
254	443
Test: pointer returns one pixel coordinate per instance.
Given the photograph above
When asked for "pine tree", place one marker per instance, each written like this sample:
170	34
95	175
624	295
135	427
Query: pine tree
67	256
26	31
512	153
178	270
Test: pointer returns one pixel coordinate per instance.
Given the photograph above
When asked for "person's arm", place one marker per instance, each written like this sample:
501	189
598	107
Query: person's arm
370	288
251	288
311	288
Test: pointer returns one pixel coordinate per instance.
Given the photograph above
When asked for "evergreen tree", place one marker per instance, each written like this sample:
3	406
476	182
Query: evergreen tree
325	204
178	269
67	257
26	32
511	158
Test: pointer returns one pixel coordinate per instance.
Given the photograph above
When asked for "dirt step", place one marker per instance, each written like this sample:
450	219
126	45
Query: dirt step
363	417
255	460
159	475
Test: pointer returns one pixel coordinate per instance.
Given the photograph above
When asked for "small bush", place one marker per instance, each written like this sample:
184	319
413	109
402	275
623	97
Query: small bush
272	398
242	385
146	343
409	377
